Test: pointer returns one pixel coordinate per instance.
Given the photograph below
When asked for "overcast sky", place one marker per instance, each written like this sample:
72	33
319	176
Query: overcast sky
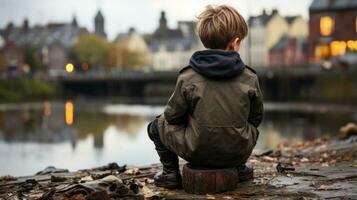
141	14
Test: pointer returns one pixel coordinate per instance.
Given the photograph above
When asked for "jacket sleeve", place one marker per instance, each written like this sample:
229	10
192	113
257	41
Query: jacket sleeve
256	106
176	109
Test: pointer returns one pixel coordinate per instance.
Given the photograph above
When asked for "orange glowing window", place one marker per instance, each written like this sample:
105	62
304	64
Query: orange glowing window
352	45
338	48
326	25
322	52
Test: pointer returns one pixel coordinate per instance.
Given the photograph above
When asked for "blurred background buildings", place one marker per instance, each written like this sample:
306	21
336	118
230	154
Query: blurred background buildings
329	35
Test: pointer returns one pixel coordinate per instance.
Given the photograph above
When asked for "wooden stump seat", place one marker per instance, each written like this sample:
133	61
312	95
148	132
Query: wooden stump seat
198	180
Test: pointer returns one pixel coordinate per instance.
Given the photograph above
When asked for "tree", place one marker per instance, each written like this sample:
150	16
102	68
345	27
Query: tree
91	49
32	58
124	56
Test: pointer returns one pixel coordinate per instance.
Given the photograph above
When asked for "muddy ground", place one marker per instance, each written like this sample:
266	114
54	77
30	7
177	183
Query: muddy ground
319	169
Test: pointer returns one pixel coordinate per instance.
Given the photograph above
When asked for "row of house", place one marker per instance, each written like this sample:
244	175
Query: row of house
276	40
164	49
48	44
273	40
332	30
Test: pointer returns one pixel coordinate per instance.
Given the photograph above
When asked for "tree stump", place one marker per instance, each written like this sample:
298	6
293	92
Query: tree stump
198	180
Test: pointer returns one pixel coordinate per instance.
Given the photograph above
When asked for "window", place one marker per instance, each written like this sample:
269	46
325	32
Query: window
322	51
338	48
326	25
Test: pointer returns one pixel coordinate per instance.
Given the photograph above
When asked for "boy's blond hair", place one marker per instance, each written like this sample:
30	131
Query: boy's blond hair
219	25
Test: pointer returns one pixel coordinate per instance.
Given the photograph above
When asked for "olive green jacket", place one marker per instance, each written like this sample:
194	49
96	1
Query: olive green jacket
213	122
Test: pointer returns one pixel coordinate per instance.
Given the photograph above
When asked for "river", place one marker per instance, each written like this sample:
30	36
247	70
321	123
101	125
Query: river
79	135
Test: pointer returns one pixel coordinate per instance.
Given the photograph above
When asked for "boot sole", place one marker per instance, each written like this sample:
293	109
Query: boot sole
169	185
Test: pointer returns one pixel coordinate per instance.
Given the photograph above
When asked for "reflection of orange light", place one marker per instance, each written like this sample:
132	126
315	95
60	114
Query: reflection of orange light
69	112
326	25
47	110
85	66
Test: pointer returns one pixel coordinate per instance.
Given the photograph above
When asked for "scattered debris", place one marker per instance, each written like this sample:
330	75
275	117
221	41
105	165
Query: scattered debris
318	169
348	130
50	170
111	166
280	168
7	178
133	171
55	179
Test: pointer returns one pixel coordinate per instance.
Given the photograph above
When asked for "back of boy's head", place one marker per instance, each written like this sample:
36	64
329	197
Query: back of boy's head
218	26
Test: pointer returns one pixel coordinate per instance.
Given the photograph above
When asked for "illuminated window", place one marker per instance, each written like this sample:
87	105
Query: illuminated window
352	45
322	51
326	25
338	48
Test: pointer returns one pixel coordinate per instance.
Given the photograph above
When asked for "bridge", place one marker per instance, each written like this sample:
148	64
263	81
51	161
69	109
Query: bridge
278	84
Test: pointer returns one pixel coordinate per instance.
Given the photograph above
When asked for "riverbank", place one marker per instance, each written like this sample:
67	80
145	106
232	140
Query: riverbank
20	90
317	169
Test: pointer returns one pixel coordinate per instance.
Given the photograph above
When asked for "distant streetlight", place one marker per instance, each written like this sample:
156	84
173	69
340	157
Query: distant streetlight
69	68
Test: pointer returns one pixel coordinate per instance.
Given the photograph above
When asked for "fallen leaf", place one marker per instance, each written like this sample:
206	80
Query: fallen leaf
132	171
323	187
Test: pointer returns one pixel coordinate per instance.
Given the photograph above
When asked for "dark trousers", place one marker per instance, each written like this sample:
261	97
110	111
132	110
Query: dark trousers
153	133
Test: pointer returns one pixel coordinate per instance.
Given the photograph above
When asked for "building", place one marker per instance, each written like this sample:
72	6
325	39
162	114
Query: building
171	49
332	29
2	56
99	25
290	49
132	51
298	27
13	58
271	32
50	42
288	52
265	31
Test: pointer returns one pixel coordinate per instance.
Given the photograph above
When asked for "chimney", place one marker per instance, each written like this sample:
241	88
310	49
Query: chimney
25	24
275	11
264	12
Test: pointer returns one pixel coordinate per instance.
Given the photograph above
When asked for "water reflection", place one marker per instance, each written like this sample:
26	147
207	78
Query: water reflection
73	136
69	112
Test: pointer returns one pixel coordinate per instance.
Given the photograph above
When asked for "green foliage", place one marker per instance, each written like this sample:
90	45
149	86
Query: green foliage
91	49
32	58
21	90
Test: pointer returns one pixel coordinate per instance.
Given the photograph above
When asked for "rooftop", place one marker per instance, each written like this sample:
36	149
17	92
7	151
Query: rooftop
328	5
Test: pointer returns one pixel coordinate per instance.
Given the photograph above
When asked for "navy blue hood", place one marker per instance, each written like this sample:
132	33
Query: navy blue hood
217	63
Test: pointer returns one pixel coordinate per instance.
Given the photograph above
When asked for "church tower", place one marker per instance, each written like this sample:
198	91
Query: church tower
74	22
99	25
163	21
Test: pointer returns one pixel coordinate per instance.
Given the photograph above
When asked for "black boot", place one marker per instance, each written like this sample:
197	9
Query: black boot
170	176
244	173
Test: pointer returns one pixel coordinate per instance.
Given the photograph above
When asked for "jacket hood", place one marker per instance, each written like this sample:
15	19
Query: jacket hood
217	63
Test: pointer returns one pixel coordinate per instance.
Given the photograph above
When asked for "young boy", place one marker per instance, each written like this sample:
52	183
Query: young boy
211	119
